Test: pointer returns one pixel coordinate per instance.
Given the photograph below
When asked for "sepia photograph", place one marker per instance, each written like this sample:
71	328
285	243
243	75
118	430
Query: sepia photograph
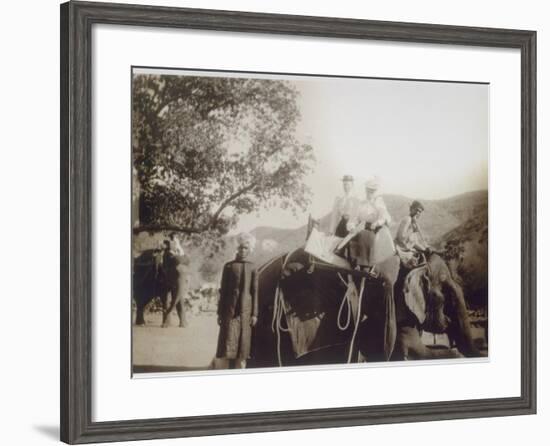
284	220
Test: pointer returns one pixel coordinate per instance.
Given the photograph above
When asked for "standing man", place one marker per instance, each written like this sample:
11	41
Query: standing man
176	275
238	305
344	209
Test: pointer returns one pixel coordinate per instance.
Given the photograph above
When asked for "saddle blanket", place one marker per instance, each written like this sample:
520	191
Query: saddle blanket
322	246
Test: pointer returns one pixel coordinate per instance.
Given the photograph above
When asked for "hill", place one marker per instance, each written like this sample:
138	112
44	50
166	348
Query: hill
439	218
466	250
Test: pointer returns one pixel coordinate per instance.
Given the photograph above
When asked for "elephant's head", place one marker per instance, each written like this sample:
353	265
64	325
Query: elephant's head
428	290
437	301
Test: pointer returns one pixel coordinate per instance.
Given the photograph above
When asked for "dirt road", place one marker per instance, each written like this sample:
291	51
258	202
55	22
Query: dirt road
157	349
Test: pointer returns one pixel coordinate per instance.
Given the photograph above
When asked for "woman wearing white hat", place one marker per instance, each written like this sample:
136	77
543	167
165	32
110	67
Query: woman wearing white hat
374	240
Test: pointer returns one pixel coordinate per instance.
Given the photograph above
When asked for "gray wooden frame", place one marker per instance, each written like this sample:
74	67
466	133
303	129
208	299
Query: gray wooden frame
77	19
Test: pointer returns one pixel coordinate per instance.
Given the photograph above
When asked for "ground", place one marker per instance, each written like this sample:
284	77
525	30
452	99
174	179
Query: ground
157	349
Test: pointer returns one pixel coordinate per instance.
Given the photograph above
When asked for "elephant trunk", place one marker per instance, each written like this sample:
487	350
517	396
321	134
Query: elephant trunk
436	320
463	330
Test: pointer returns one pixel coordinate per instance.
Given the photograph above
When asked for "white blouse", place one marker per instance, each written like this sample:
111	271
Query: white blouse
373	211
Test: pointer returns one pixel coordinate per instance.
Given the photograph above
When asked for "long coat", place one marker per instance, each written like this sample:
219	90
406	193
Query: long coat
238	303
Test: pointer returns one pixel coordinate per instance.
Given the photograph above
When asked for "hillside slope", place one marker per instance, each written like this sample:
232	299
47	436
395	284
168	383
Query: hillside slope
466	250
439	218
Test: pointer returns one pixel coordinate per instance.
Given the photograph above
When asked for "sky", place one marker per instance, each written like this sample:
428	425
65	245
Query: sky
425	140
422	139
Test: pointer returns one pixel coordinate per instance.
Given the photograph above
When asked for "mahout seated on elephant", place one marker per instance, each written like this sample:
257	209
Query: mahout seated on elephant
157	273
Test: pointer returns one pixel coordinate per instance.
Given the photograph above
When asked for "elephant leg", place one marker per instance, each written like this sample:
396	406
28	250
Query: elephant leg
177	279
409	346
460	329
181	288
169	307
164	300
390	329
379	331
180	307
444	353
389	271
140	312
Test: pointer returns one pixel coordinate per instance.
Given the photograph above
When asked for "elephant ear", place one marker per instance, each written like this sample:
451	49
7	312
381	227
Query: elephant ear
413	292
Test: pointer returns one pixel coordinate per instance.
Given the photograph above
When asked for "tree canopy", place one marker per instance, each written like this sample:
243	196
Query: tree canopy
210	149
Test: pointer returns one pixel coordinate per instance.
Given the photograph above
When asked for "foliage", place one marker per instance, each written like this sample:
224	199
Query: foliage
210	268
200	299
466	252
210	149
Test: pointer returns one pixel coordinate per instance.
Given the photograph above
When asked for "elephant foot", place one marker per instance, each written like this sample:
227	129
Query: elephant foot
140	324
183	324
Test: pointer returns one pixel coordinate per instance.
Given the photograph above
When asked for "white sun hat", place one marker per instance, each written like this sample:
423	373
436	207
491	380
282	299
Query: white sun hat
246	238
373	183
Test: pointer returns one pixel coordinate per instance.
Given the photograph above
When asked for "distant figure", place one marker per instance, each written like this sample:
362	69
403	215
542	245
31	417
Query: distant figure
409	241
175	245
177	278
374	240
238	305
344	209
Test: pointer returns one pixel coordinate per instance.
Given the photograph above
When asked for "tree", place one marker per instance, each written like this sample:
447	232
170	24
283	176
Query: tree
209	149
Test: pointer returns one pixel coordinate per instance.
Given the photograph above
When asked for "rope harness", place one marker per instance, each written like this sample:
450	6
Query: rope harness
346	301
279	309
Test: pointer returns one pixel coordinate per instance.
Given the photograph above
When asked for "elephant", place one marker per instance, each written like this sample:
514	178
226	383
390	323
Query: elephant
307	314
310	310
320	309
430	299
157	274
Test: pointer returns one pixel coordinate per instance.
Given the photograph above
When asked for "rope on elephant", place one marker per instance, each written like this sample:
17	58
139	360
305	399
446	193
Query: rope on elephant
359	304
346	301
278	311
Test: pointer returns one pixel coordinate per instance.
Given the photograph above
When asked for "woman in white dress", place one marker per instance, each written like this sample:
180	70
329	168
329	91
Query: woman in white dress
374	242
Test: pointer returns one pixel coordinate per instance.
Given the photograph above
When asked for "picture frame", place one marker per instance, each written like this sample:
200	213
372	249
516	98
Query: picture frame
77	189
